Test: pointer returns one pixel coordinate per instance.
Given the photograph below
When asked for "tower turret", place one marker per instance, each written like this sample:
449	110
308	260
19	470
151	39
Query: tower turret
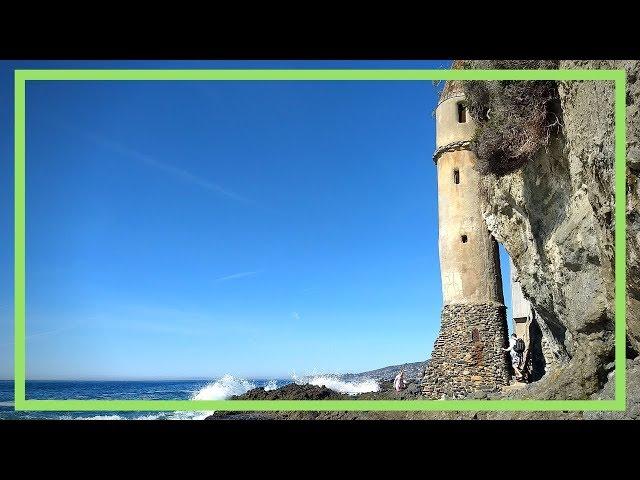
467	357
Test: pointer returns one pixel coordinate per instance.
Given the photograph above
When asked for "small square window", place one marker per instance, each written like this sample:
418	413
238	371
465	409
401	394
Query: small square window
464	238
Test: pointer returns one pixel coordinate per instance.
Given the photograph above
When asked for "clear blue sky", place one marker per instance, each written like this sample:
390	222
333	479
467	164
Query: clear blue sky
192	229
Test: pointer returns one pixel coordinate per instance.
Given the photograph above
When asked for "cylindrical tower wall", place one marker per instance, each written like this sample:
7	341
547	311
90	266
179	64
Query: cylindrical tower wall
469	259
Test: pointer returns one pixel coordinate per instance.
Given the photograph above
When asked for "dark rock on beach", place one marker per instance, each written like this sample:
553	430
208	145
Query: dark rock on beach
312	392
291	392
288	392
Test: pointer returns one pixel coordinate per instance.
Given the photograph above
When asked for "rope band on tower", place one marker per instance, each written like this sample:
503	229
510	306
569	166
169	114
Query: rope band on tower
451	147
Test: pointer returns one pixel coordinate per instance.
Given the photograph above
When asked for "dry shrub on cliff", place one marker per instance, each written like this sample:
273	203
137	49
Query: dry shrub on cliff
515	118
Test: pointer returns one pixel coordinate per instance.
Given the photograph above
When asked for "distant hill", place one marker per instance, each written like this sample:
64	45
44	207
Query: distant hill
412	371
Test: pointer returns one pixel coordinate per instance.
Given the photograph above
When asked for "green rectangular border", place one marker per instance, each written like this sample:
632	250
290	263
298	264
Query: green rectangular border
618	404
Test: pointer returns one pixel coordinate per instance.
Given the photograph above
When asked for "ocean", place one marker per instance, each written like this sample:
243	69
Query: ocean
217	389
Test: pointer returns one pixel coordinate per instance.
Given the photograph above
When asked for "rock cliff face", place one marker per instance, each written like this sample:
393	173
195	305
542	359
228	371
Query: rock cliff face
633	206
555	216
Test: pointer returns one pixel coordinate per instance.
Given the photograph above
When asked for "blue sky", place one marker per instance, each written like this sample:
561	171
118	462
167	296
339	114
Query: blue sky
192	229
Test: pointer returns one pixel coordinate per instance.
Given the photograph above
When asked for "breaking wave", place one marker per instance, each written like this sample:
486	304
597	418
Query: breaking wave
223	388
271	385
341	386
228	385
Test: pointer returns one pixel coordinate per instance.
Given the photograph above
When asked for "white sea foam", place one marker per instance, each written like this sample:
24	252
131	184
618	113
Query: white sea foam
94	417
341	386
223	388
188	415
271	385
152	416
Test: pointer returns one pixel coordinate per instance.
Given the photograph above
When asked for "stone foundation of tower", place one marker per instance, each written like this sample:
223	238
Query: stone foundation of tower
467	359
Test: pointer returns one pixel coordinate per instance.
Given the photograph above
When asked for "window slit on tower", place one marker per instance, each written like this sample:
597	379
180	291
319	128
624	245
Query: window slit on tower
475	335
462	113
456	176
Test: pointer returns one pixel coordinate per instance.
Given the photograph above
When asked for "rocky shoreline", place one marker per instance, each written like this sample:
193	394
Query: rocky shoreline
412	392
295	391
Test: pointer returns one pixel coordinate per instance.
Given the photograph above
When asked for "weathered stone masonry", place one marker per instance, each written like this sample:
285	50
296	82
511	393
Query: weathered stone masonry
467	358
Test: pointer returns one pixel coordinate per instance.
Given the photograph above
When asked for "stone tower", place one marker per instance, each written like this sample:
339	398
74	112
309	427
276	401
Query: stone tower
467	359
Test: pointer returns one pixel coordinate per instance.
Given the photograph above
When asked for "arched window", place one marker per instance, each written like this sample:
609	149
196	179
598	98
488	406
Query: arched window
456	176
462	113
